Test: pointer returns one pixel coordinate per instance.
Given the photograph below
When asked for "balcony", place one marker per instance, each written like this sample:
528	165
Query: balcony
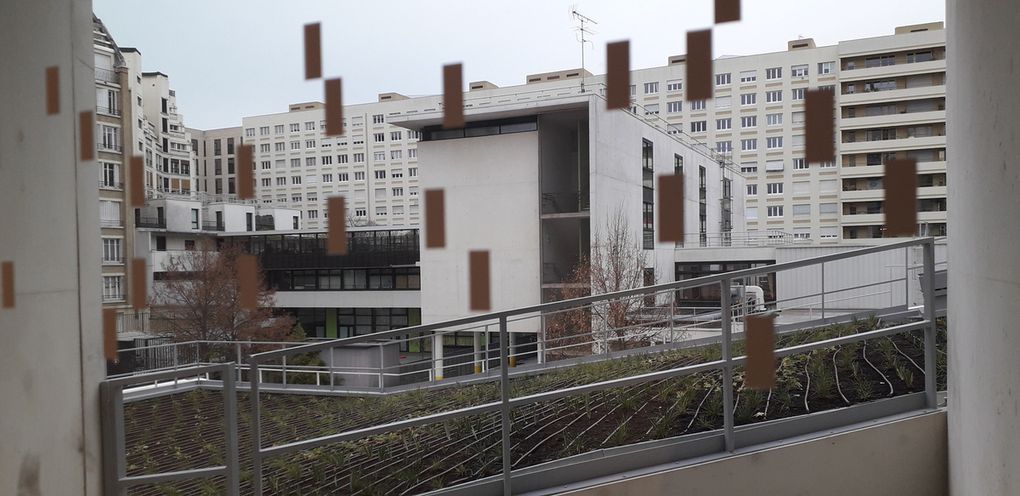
896	70
150	222
570	202
111	223
108	147
111	185
213	226
106	76
108	110
898	94
899	119
890	145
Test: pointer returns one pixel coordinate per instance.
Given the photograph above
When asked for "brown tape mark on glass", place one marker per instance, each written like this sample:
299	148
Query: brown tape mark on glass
136	175
760	338
699	65
453	96
313	51
336	241
727	11
435	218
334	107
901	197
671	208
110	334
245	182
7	283
819	105
52	90
247	268
618	75
139	284
87	129
478	268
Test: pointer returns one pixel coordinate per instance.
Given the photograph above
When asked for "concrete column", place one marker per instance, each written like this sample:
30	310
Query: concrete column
984	263
437	356
52	359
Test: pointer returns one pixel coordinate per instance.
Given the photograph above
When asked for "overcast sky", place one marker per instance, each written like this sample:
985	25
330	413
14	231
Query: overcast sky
232	58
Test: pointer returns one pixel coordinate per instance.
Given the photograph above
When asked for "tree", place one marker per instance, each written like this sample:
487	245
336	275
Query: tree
617	262
199	299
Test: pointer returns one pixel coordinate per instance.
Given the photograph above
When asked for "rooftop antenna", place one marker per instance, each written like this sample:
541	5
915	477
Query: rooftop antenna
583	32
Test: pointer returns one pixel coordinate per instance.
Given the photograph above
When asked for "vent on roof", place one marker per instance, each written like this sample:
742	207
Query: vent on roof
677	59
573	74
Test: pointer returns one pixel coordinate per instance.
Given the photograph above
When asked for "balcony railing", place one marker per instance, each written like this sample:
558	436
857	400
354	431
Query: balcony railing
108	147
106	75
108	110
213	226
111	185
565	202
151	222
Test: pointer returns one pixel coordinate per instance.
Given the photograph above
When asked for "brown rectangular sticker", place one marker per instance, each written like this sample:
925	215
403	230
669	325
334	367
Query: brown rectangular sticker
699	65
110	334
245	182
671	208
7	283
336	241
435	218
453	96
136	186
52	90
819	105
247	269
760	338
727	11
478	268
618	75
313	51
87	130
901	197
139	284
334	107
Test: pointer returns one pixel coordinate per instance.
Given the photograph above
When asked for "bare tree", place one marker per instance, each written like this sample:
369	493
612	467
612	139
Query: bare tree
199	299
617	262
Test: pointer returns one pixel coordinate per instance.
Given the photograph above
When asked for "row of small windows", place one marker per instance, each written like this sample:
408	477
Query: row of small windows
725	79
341	177
722	102
340	159
295	127
778	165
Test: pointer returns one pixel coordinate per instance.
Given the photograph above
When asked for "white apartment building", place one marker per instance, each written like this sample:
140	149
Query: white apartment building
216	161
756	120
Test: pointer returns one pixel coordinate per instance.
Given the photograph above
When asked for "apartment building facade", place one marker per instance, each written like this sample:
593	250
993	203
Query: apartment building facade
756	121
215	161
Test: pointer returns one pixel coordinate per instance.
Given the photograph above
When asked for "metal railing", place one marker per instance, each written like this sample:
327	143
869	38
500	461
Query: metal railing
106	75
111	391
728	318
150	222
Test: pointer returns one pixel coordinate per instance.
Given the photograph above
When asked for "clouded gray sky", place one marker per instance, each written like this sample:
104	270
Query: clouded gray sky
232	58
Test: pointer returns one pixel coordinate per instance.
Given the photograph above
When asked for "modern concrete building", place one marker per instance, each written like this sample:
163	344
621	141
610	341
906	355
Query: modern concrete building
215	161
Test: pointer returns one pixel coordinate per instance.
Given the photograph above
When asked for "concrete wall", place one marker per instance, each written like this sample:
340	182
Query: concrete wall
492	203
897	458
53	362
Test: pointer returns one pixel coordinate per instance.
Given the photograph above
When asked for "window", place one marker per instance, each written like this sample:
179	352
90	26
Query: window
773	166
109	175
378	119
723	102
309	161
109	213
774	142
267	182
379	137
799	71
749	145
295	198
826	67
309	143
278	129
748	76
827	165
295	162
774	211
774	119
879	61
380	174
341	159
749	168
798	141
359	158
279	146
412	191
722	124
722	79
379	156
698	105
827	186
829	232
724	146
295	145
749	121
827	208
802	210
359	212
395	135
798	117
699	127
752	190
773	96
380	211
799	164
396	173
249	132
652	109
774	73
674	85
412	172
751	212
412	153
652	87
313	214
326	160
925	56
264	148
802	187
774	188
295	179
798	93
194	218
281	181
295	127
112	250
674	107
263	130
113	288
633	90
359	176
310	126
397	192
748	99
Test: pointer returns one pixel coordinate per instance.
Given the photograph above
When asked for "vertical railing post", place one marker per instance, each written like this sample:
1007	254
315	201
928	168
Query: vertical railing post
906	278
726	317
238	362
256	429
504	381
672	315
930	368
233	475
823	291
284	366
175	363
331	385
382	363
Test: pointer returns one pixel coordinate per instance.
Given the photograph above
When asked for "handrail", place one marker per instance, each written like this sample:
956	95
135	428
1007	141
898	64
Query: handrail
684	284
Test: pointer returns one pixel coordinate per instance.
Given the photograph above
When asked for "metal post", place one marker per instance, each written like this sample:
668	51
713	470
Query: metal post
906	277
256	430
437	356
114	469
930	368
727	374
823	291
175	364
331	369
382	363
504	373
672	315
485	363
238	362
233	476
